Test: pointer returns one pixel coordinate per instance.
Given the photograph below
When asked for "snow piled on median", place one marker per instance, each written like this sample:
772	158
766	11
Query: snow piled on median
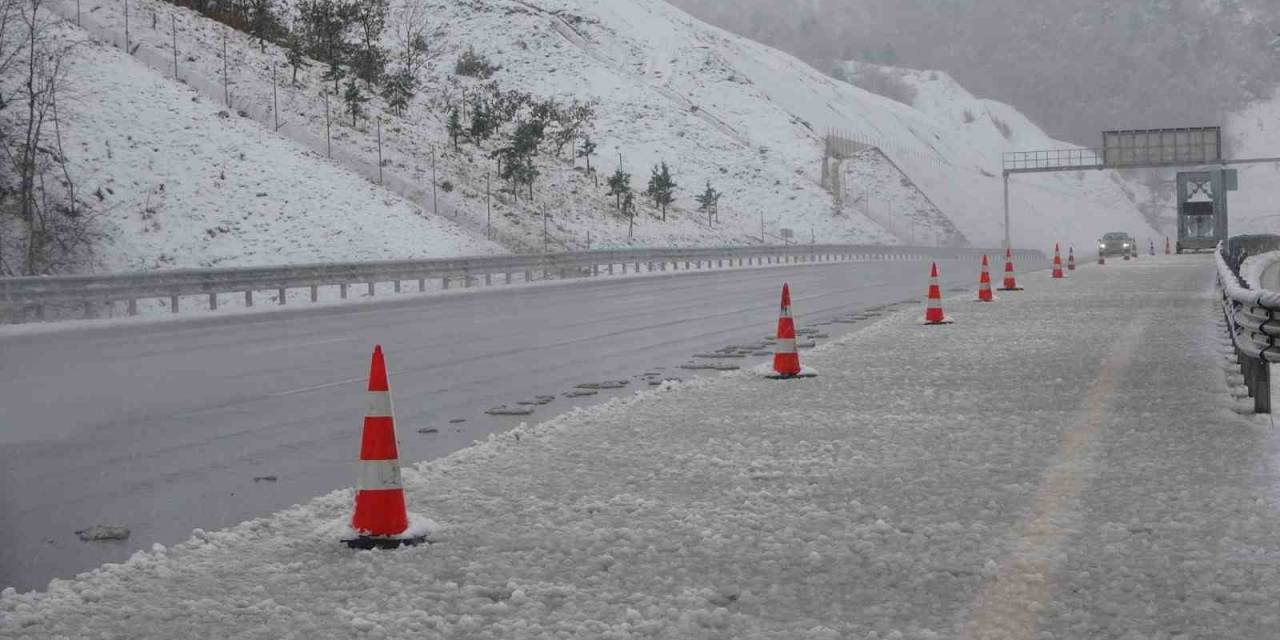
876	501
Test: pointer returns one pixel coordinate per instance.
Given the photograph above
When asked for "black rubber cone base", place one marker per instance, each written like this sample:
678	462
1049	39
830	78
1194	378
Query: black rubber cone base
373	542
1013	289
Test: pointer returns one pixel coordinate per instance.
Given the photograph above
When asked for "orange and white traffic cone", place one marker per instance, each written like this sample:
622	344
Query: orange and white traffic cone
933	313
380	519
1010	282
1057	263
1071	258
786	360
984	284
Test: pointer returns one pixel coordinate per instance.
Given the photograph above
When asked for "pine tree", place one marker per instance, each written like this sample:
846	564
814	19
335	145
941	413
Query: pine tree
708	201
527	137
524	172
296	55
455	127
586	150
662	188
620	185
398	90
355	101
481	122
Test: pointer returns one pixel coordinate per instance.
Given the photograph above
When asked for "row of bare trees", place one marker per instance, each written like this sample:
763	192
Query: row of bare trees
44	227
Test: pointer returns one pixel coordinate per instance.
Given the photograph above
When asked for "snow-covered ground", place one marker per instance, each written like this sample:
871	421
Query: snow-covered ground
717	107
179	182
1064	463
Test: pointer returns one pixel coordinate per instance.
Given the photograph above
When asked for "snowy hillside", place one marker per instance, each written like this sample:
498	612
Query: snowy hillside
1254	133
179	182
954	152
717	107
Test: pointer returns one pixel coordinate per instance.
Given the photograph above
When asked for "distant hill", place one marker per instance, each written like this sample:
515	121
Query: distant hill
1077	67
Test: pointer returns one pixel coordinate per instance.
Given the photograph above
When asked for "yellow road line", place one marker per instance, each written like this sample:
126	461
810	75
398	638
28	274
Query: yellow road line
1009	605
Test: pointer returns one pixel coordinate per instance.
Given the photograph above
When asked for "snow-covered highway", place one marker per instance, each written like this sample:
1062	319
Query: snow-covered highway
1065	463
164	427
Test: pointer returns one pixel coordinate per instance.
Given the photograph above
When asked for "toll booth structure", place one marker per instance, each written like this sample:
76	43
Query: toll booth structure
1202	208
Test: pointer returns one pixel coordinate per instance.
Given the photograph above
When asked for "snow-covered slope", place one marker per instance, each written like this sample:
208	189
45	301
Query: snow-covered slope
1254	133
952	149
717	107
179	182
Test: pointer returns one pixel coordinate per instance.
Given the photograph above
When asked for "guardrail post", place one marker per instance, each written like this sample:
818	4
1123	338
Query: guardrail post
283	295
528	275
422	285
315	293
397	285
595	270
508	277
371	290
342	290
444	282
248	300
1262	387
488	279
213	301
624	266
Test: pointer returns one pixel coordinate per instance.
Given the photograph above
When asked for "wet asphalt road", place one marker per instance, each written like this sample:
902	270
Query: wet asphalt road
210	421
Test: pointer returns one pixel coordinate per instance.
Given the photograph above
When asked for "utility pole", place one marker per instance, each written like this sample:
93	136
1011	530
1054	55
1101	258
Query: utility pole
226	79
379	123
328	139
488	209
435	204
1008	242
275	102
173	18
546	214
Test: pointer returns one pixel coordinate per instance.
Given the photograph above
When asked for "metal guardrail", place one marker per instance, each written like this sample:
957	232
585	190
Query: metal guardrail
1252	315
26	299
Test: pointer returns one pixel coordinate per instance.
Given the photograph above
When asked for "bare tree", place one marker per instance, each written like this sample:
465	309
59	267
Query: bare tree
413	35
42	229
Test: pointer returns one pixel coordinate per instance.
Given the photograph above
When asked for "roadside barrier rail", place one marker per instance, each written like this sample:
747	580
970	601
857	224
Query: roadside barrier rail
29	298
1252	315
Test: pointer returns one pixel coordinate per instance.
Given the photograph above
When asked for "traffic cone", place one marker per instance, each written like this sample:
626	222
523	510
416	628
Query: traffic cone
786	360
984	283
380	519
1010	282
933	314
1071	258
1167	249
1057	263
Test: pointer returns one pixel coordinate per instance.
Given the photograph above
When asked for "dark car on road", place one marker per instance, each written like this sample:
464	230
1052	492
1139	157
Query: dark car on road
1116	243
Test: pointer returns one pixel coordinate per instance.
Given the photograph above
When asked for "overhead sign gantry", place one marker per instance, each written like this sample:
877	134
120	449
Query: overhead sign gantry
1130	149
